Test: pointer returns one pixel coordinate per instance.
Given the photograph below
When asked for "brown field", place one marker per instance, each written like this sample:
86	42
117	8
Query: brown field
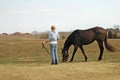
22	58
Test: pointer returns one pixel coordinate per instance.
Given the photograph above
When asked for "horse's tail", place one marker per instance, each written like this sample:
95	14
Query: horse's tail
109	47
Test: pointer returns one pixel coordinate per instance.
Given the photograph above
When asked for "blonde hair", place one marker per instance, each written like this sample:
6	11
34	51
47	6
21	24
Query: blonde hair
53	27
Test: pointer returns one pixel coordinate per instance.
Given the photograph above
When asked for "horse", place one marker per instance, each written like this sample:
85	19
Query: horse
78	38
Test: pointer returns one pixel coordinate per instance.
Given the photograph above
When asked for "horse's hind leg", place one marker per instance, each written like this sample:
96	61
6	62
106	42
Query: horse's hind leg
83	53
100	43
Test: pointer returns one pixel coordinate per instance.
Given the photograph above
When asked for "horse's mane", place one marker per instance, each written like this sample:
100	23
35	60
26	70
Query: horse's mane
71	39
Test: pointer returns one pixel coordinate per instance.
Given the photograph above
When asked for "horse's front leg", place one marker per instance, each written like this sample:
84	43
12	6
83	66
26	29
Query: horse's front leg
83	53
73	54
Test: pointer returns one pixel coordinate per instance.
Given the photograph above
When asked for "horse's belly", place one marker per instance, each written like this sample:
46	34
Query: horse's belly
86	41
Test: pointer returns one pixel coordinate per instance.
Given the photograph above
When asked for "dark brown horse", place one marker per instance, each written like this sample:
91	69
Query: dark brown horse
78	38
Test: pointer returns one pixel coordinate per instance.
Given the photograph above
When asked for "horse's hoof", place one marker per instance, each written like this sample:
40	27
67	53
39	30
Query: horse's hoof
99	59
70	61
85	60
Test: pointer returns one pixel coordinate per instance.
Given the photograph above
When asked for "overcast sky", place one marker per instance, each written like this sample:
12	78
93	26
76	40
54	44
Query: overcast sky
67	15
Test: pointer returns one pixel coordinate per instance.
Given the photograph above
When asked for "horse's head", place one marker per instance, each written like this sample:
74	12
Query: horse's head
64	55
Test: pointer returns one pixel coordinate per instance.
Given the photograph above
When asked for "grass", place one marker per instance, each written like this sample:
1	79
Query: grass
22	58
64	71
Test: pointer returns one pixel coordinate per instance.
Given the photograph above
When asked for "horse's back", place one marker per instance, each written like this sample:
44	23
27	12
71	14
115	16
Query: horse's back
89	35
100	32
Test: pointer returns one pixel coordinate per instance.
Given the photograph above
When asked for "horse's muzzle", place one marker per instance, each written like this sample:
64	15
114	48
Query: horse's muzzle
64	60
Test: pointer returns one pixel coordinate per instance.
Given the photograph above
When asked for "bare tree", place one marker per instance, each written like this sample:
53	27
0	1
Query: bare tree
116	27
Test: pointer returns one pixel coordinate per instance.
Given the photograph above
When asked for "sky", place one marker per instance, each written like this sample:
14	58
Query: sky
67	15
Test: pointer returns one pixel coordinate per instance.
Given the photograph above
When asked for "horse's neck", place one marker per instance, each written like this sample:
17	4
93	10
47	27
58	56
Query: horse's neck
68	43
67	46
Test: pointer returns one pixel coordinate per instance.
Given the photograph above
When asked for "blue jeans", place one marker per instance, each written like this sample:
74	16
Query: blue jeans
54	54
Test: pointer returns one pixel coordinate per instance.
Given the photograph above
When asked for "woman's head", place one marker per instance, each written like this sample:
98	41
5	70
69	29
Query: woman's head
53	27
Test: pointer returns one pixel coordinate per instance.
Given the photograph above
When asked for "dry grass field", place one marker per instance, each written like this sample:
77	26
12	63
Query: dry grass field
22	58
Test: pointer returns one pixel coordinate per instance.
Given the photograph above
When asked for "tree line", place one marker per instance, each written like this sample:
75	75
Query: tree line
114	33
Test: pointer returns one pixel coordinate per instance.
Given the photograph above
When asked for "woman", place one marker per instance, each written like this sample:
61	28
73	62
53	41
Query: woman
53	38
